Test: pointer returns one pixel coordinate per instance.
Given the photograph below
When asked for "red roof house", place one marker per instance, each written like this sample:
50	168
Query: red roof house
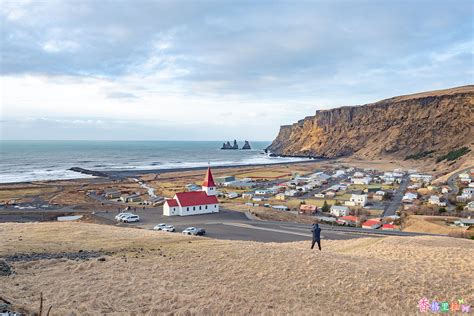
372	224
195	198
194	202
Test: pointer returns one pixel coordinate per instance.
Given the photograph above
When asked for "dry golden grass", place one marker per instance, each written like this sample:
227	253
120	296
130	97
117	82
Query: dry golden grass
431	225
361	276
13	192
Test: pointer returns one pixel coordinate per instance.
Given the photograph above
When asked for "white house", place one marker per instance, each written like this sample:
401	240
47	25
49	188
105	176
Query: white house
468	193
469	207
425	178
195	202
409	197
339	210
357	199
364	180
434	200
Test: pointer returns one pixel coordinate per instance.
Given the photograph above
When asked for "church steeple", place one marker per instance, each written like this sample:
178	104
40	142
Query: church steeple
208	184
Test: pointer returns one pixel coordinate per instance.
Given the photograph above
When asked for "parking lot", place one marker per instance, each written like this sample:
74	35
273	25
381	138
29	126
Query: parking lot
233	225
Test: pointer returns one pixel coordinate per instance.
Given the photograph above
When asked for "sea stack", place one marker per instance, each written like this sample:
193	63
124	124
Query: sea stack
235	145
246	146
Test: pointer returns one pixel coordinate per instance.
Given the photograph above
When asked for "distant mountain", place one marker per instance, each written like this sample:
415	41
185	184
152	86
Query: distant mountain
428	124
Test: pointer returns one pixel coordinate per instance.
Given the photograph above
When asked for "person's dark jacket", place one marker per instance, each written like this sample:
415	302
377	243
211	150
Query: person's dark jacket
316	232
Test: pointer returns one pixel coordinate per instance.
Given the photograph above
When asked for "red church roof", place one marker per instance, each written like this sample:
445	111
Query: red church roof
196	198
172	202
208	179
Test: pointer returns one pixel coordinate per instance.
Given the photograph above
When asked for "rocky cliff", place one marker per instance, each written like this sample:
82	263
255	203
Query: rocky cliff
436	121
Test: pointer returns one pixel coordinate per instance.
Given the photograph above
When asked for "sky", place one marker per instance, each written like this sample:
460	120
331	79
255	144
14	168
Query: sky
216	70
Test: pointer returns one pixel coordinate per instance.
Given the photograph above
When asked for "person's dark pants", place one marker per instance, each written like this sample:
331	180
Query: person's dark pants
316	241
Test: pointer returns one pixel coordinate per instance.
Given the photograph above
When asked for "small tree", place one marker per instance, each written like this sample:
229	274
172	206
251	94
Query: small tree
325	207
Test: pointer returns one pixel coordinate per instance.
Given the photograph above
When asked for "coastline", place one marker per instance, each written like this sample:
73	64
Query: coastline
123	174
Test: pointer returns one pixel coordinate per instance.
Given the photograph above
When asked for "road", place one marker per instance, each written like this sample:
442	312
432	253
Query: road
396	201
233	225
452	180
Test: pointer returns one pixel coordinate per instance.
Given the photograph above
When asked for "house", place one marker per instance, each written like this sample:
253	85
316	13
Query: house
471	185
261	192
194	202
223	179
232	195
469	207
435	200
468	193
132	198
445	190
371	224
308	209
388	227
379	195
280	207
114	194
364	180
423	178
339	210
357	199
466	222
280	196
319	195
461	199
348	220
409	197
330	194
291	193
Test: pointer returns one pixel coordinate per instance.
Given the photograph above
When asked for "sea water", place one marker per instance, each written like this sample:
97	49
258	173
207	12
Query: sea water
23	161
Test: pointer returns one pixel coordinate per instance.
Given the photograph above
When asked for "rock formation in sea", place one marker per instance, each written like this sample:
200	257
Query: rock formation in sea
435	122
246	146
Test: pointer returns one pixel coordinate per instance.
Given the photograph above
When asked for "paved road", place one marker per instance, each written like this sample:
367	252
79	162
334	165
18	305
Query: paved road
234	225
396	201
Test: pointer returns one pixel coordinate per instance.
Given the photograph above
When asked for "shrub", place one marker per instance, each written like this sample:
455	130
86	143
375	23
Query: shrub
420	155
453	154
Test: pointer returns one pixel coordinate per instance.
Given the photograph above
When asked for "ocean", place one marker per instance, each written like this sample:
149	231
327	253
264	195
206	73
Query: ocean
23	161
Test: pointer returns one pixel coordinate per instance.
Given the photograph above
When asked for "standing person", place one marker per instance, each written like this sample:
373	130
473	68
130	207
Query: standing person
316	235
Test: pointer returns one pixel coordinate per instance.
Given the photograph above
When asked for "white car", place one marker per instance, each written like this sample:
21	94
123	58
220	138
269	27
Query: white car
120	216
159	226
169	228
131	218
194	231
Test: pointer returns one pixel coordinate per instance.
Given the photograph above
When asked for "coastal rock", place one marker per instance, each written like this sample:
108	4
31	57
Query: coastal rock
246	146
89	172
229	146
437	121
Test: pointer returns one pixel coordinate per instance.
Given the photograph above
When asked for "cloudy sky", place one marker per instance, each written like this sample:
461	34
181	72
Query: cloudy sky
214	70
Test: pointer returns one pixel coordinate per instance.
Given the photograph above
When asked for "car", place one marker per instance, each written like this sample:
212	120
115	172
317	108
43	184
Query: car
131	218
120	216
169	228
194	231
159	226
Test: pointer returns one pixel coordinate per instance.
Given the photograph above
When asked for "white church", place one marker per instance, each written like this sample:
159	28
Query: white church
194	203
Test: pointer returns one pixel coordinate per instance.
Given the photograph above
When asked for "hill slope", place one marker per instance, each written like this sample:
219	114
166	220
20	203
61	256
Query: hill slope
147	272
437	121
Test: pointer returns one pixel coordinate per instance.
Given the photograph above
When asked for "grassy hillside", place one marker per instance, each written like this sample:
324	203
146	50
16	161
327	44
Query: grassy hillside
149	272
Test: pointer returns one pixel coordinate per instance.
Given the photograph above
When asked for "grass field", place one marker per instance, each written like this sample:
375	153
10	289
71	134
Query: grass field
150	273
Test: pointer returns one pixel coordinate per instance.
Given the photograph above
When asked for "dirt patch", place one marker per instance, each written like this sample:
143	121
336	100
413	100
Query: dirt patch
80	255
